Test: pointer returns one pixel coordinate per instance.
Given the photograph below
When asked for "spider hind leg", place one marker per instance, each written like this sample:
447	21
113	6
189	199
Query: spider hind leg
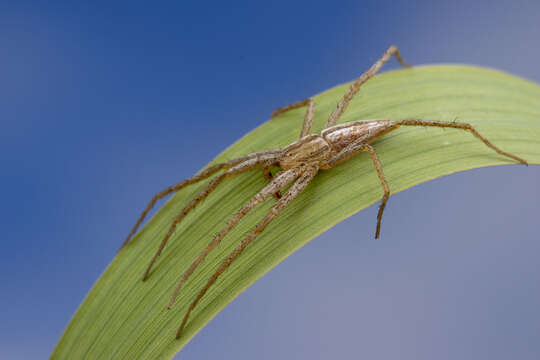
308	118
460	126
355	86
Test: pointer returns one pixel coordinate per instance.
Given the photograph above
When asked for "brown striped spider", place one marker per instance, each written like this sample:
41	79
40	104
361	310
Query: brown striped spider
299	162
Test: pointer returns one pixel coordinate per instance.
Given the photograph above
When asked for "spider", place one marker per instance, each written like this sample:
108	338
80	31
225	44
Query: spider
299	162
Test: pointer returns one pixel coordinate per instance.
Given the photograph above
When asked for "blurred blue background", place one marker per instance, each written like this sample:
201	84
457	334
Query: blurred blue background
104	103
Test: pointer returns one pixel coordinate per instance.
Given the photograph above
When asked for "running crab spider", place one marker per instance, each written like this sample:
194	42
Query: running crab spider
299	163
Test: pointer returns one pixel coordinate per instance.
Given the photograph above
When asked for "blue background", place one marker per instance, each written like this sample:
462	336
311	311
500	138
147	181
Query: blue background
104	103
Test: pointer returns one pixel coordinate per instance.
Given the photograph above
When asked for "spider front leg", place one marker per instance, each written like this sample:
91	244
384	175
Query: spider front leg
268	175
277	183
201	176
253	161
206	173
291	194
308	118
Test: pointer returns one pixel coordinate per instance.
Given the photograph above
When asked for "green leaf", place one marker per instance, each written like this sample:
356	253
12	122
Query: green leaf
125	318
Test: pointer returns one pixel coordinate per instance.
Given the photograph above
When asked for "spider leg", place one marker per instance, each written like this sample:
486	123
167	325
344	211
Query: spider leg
386	189
308	119
342	105
462	126
354	149
200	176
260	160
292	193
268	175
277	183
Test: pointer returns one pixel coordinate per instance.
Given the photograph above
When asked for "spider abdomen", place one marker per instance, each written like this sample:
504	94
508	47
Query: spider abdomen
340	136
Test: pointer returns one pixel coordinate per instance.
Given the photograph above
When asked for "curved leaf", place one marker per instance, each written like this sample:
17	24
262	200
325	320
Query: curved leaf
124	318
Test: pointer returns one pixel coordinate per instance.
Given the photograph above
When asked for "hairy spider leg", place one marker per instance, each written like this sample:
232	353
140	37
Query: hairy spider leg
461	126
255	160
355	86
202	175
384	184
277	183
268	175
173	188
300	184
360	146
308	118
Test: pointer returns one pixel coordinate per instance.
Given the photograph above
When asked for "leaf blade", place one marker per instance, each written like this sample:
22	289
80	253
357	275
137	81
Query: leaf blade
125	318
